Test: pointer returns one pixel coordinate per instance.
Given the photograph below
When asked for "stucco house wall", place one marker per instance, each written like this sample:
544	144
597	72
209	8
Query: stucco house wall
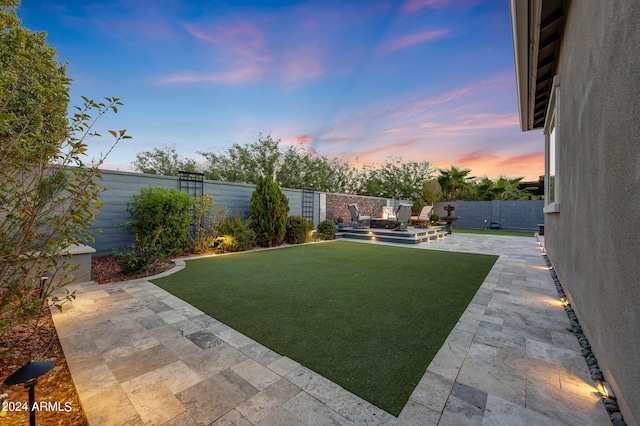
593	241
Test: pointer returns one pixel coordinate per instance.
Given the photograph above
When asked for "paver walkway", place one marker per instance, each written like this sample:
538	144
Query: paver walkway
140	356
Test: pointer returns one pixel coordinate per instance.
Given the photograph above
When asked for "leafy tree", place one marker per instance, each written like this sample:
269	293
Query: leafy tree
246	163
163	161
431	191
269	208
48	197
395	179
454	181
293	167
301	168
502	189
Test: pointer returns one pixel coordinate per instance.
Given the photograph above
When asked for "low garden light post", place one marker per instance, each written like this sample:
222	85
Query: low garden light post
28	374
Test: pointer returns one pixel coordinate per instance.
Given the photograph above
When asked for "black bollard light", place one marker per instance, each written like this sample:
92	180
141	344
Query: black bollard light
28	374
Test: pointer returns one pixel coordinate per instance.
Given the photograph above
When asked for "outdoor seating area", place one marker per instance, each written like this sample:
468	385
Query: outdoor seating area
424	216
390	218
392	225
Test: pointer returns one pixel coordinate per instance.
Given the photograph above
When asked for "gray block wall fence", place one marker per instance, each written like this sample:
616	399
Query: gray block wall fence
121	186
516	215
236	197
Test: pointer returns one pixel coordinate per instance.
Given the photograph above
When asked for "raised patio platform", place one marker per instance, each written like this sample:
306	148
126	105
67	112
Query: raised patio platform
410	236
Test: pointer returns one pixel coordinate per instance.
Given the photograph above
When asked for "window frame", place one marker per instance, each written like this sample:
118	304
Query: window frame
551	152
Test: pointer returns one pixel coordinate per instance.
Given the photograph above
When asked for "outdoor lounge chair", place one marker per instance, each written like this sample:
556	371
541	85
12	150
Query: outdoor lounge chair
403	214
357	217
424	215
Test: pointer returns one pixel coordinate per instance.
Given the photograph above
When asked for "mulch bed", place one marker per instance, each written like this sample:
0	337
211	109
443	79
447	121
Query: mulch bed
104	269
25	343
39	342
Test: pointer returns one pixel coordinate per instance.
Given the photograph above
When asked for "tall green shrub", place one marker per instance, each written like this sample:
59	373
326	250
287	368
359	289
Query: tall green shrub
161	219
269	208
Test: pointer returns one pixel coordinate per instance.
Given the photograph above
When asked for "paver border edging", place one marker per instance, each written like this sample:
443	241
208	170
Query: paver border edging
609	401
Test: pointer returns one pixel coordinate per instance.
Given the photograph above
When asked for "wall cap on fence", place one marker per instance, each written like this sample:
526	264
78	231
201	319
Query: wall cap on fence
75	249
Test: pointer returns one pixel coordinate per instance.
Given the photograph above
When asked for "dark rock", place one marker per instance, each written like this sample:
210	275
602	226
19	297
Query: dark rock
616	415
619	423
611	408
597	376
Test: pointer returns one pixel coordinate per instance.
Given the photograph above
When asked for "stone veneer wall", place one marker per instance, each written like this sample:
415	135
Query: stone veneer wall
337	206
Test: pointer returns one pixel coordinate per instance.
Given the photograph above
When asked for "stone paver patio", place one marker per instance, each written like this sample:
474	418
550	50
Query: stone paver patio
140	356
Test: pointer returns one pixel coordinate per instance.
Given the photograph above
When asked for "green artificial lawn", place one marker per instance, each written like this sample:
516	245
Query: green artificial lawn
368	317
505	232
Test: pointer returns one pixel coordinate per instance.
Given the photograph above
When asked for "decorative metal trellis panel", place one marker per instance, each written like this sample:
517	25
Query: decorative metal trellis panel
308	195
192	183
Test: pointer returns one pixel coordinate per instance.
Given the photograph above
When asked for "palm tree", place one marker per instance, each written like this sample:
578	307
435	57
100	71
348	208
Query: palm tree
503	188
454	179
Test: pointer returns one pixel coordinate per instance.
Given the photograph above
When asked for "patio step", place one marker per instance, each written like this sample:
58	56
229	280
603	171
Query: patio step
411	236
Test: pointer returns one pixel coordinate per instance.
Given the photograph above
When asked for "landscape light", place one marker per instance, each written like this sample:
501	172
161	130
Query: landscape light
28	374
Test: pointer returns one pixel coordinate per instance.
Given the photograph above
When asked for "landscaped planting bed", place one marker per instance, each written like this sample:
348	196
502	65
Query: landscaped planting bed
368	317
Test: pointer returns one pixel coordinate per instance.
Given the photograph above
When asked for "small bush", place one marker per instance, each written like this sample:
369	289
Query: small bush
434	219
208	217
135	259
418	205
298	230
327	230
232	234
161	218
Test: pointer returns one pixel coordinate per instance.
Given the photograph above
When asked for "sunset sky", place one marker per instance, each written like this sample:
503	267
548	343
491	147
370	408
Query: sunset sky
363	80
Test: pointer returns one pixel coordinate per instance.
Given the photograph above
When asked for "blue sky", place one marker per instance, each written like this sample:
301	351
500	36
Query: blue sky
361	81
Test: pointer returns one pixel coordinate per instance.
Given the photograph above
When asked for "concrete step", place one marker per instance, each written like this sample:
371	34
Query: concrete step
412	236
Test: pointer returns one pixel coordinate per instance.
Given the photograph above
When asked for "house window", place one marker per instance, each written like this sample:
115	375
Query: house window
552	141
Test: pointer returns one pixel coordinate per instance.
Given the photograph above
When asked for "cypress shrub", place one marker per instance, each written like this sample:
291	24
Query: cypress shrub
269	208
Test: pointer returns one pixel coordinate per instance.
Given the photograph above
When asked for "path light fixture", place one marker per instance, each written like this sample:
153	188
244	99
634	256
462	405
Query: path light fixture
28	374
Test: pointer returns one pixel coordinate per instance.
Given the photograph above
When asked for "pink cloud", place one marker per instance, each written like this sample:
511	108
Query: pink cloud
524	159
475	157
412	39
412	6
302	139
301	64
241	40
472	123
232	77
